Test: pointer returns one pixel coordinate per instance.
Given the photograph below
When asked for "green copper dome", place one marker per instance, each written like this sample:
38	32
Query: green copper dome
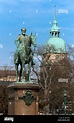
57	45
55	41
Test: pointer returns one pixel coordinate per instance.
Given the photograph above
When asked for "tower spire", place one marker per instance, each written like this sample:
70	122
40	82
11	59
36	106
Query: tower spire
54	31
54	12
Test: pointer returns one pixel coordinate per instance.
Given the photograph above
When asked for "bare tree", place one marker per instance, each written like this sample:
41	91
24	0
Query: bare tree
51	89
3	99
4	72
70	50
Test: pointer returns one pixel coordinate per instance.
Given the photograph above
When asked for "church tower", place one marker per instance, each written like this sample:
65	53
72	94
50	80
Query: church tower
55	46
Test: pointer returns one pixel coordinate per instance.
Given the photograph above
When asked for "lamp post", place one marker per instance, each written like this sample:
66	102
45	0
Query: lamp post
65	94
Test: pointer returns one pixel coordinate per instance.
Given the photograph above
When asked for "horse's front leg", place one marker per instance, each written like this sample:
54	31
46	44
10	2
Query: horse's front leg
20	73
29	71
16	67
23	80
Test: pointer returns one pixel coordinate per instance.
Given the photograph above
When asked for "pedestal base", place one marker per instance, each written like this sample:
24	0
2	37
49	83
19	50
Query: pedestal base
23	99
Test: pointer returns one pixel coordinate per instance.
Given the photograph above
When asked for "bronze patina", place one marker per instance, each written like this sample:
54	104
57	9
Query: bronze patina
28	98
24	53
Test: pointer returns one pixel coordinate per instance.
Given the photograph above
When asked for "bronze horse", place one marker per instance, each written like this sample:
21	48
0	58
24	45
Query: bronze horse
25	56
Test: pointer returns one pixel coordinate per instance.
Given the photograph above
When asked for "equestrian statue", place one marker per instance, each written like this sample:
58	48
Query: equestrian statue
24	54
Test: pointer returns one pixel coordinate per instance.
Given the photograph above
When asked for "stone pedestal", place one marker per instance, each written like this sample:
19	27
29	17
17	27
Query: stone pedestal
23	98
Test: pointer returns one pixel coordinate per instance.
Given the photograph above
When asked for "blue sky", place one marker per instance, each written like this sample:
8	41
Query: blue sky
37	17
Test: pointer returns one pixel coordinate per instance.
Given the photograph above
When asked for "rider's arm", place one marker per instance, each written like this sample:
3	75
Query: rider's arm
17	40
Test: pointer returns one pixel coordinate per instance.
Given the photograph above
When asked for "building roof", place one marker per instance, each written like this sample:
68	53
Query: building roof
4	73
55	40
57	43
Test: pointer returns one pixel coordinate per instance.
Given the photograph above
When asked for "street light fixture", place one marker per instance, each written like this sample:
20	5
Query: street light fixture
65	94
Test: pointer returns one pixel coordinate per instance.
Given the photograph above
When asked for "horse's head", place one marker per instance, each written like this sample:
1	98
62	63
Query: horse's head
33	37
